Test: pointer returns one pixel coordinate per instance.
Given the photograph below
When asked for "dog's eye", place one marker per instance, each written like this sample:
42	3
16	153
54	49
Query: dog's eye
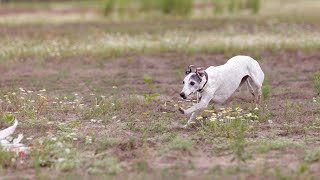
183	82
192	83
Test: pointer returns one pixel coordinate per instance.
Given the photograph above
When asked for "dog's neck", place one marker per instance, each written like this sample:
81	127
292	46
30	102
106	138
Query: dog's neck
204	82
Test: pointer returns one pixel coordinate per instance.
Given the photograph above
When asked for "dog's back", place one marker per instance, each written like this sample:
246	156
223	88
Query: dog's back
228	77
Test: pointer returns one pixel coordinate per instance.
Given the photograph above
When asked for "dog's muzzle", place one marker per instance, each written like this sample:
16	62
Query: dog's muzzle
183	95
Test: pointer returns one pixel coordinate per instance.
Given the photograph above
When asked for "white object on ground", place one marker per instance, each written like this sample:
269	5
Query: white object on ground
7	132
15	145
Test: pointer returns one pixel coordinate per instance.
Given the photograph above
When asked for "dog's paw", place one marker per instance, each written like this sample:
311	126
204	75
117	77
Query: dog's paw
181	110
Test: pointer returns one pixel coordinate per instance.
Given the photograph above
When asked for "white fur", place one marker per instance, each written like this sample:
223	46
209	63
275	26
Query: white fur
224	80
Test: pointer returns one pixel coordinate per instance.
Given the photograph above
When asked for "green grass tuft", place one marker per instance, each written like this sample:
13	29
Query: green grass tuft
317	82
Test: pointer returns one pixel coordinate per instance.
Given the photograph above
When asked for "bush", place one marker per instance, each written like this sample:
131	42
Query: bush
148	5
108	7
254	6
177	7
218	6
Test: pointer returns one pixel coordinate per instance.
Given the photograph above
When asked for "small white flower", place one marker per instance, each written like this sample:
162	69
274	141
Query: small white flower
29	91
314	99
43	90
256	109
93	120
75	139
114	117
270	121
249	114
53	138
60	159
59	144
22	90
67	150
114	87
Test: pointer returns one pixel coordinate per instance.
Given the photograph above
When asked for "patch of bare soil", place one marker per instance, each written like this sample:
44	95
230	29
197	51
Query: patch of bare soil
289	73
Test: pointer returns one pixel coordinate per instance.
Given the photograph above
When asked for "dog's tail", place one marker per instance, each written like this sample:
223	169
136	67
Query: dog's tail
7	132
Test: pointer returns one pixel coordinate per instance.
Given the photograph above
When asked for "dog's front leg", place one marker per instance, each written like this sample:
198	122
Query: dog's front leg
192	117
202	104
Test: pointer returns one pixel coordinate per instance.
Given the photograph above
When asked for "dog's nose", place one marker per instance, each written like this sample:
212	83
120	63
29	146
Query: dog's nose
183	95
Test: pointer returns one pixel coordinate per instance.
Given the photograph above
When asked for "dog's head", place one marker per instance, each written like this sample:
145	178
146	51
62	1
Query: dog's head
192	81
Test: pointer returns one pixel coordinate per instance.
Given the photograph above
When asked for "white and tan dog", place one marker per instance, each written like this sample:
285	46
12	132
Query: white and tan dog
220	82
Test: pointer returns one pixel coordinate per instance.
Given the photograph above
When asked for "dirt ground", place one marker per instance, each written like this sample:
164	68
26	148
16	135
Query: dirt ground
290	75
146	137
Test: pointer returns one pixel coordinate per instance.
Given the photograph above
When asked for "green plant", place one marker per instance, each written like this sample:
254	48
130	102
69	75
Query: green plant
176	7
108	7
147	5
218	6
50	152
6	158
7	117
254	6
312	155
238	139
149	97
108	165
148	80
264	146
317	82
180	143
232	6
265	89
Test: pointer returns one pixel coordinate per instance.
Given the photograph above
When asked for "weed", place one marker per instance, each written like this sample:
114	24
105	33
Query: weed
52	152
108	7
265	89
312	155
104	143
107	165
238	140
149	97
178	143
177	7
254	5
317	82
148	80
6	158
218	6
264	146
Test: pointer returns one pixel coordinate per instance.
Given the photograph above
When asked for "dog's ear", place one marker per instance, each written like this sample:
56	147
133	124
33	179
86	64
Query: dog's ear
200	71
189	70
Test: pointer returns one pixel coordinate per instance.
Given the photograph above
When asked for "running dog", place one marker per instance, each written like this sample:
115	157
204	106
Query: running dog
220	82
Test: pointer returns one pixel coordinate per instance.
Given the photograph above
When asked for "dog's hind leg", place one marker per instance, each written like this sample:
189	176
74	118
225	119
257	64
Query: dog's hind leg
250	88
258	89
